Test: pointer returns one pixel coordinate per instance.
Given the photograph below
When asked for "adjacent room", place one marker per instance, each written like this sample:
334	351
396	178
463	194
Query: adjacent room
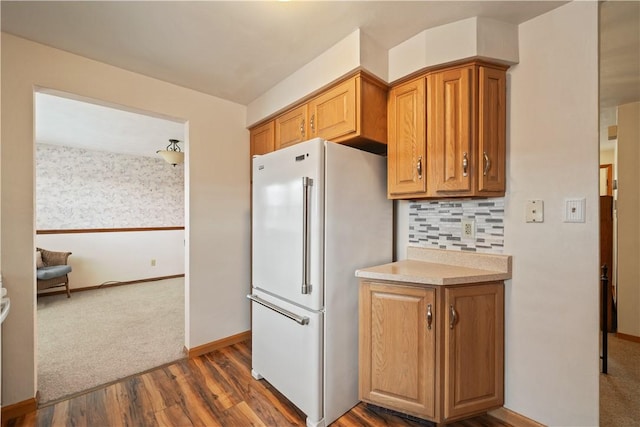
112	209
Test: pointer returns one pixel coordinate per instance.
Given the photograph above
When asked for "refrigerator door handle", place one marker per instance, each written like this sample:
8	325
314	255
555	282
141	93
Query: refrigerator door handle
306	183
299	319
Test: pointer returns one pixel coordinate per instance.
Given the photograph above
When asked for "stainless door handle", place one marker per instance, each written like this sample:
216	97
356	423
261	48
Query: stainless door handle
306	183
298	319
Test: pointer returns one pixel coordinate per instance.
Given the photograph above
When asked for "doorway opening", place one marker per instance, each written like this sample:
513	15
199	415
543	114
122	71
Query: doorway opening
619	211
103	194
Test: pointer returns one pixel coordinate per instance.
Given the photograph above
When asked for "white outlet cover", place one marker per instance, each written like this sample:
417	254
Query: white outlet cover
574	210
534	211
468	229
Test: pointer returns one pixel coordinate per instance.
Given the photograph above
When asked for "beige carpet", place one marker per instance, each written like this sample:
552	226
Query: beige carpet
102	335
620	387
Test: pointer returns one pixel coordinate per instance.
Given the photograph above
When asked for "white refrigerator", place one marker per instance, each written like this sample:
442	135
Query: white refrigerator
320	212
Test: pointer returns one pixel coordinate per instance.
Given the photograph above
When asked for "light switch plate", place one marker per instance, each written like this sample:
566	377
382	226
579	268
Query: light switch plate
535	211
574	210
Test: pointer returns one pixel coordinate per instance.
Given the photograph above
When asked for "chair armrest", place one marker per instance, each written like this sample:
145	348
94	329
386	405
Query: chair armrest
53	257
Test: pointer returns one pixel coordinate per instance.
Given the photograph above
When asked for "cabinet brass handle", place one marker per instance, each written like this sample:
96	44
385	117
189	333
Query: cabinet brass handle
429	316
453	318
313	128
419	167
487	164
465	164
302	128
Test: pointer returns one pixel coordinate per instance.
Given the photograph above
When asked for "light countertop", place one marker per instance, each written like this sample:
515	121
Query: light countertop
442	267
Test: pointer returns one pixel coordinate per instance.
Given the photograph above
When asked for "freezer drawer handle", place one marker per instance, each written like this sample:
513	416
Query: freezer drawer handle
306	183
299	319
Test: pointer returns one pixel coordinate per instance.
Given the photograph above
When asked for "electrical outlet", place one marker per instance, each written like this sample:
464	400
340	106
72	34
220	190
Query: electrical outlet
468	229
153	263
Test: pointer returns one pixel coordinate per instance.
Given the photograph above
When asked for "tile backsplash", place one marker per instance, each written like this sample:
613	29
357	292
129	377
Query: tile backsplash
438	224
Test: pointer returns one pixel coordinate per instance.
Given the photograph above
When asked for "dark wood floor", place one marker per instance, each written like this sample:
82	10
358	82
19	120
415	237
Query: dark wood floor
211	390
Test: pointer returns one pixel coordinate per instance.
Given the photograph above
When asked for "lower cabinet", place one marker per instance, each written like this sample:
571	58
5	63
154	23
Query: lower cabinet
435	352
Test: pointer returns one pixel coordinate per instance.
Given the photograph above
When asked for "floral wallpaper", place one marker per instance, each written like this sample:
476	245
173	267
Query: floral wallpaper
78	188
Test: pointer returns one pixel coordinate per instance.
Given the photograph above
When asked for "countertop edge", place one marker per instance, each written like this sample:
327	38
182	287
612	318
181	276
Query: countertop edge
434	281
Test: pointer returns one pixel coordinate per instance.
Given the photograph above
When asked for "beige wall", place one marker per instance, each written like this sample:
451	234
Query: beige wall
99	258
607	156
628	215
551	304
552	350
217	195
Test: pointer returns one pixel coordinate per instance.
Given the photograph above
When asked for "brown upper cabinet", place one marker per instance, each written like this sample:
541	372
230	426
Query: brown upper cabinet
447	133
291	127
262	139
351	112
407	143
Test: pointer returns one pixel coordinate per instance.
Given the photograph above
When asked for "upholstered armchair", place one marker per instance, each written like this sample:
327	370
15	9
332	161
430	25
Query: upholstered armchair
52	269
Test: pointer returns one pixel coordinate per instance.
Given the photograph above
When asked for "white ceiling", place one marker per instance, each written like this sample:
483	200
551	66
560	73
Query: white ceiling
619	53
237	50
73	123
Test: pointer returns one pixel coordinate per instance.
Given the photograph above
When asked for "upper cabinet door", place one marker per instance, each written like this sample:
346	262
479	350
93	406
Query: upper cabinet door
262	139
450	130
491	130
407	166
333	114
291	127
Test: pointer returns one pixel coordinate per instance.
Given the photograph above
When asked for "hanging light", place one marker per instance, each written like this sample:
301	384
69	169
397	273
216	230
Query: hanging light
172	154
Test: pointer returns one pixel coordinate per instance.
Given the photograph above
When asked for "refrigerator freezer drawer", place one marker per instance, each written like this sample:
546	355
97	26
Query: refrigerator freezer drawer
287	352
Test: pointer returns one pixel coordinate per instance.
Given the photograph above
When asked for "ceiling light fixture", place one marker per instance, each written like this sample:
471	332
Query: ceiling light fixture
172	154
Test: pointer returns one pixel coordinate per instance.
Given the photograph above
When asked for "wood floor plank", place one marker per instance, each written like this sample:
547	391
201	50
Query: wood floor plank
130	411
46	417
223	399
112	403
156	398
215	389
257	393
242	415
100	414
173	416
199	410
77	411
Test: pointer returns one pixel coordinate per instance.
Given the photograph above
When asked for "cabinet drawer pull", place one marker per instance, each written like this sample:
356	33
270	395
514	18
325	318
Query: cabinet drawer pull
302	128
465	164
419	167
313	128
487	164
429	316
453	318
